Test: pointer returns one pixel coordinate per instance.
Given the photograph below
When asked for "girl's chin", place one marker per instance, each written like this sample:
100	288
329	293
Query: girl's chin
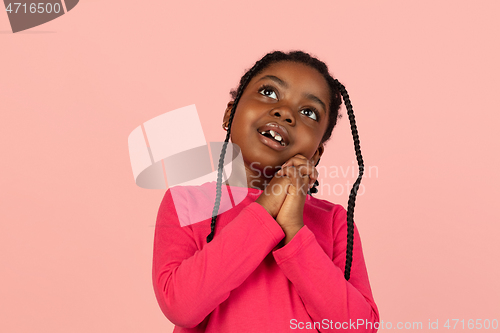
265	168
260	159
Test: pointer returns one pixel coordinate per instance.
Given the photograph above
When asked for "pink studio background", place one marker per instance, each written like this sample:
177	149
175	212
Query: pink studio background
77	233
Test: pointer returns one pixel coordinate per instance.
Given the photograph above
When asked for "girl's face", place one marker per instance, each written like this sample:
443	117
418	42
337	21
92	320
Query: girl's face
290	98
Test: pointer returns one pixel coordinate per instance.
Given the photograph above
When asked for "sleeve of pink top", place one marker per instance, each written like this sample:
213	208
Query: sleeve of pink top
190	283
320	282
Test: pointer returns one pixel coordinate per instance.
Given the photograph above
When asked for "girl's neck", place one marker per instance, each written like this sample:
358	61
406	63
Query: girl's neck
244	176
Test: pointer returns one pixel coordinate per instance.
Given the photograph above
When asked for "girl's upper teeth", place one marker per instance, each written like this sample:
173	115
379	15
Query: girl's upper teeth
275	135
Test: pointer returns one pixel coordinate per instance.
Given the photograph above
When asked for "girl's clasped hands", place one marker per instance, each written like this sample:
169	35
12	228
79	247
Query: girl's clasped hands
285	195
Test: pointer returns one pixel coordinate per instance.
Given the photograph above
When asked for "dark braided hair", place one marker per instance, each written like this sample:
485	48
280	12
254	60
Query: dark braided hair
355	186
337	90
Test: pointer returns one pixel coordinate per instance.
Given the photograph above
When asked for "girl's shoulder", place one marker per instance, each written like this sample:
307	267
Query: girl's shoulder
327	221
195	203
206	193
324	205
192	192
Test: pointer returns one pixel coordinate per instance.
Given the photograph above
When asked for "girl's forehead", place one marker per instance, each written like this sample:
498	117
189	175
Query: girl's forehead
290	67
294	72
296	75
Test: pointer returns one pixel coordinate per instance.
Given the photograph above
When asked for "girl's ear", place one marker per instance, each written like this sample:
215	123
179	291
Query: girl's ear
318	153
227	113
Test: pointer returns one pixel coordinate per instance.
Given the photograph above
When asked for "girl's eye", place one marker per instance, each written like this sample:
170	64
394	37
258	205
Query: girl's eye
310	113
268	92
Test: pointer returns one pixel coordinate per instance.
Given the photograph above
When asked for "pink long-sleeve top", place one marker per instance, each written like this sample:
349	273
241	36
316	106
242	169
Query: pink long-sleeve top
239	283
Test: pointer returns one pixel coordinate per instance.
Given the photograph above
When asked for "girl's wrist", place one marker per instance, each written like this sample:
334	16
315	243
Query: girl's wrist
290	232
290	224
259	201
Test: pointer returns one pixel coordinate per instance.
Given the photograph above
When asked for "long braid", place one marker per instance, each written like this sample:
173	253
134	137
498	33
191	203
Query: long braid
220	167
219	178
355	187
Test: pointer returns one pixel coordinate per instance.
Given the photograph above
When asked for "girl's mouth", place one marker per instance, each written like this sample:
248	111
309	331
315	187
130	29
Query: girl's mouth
273	136
272	143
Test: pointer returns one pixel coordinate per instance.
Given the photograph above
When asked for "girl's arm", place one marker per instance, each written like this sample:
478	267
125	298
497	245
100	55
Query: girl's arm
189	282
320	281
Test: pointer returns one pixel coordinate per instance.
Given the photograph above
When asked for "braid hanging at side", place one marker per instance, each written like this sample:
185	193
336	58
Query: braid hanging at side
219	175
355	187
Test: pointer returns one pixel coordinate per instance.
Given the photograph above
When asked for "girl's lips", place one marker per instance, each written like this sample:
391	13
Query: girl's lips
271	142
281	130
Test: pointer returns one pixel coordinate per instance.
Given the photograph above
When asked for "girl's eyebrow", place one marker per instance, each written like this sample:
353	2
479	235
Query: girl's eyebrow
282	83
317	100
275	79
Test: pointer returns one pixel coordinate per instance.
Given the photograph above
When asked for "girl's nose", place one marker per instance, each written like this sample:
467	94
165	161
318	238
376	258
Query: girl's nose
285	113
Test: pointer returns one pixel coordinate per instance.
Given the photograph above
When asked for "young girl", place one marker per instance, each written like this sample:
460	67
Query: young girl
280	260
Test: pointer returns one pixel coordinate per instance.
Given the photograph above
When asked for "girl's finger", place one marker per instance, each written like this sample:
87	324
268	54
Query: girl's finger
295	175
304	169
296	159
